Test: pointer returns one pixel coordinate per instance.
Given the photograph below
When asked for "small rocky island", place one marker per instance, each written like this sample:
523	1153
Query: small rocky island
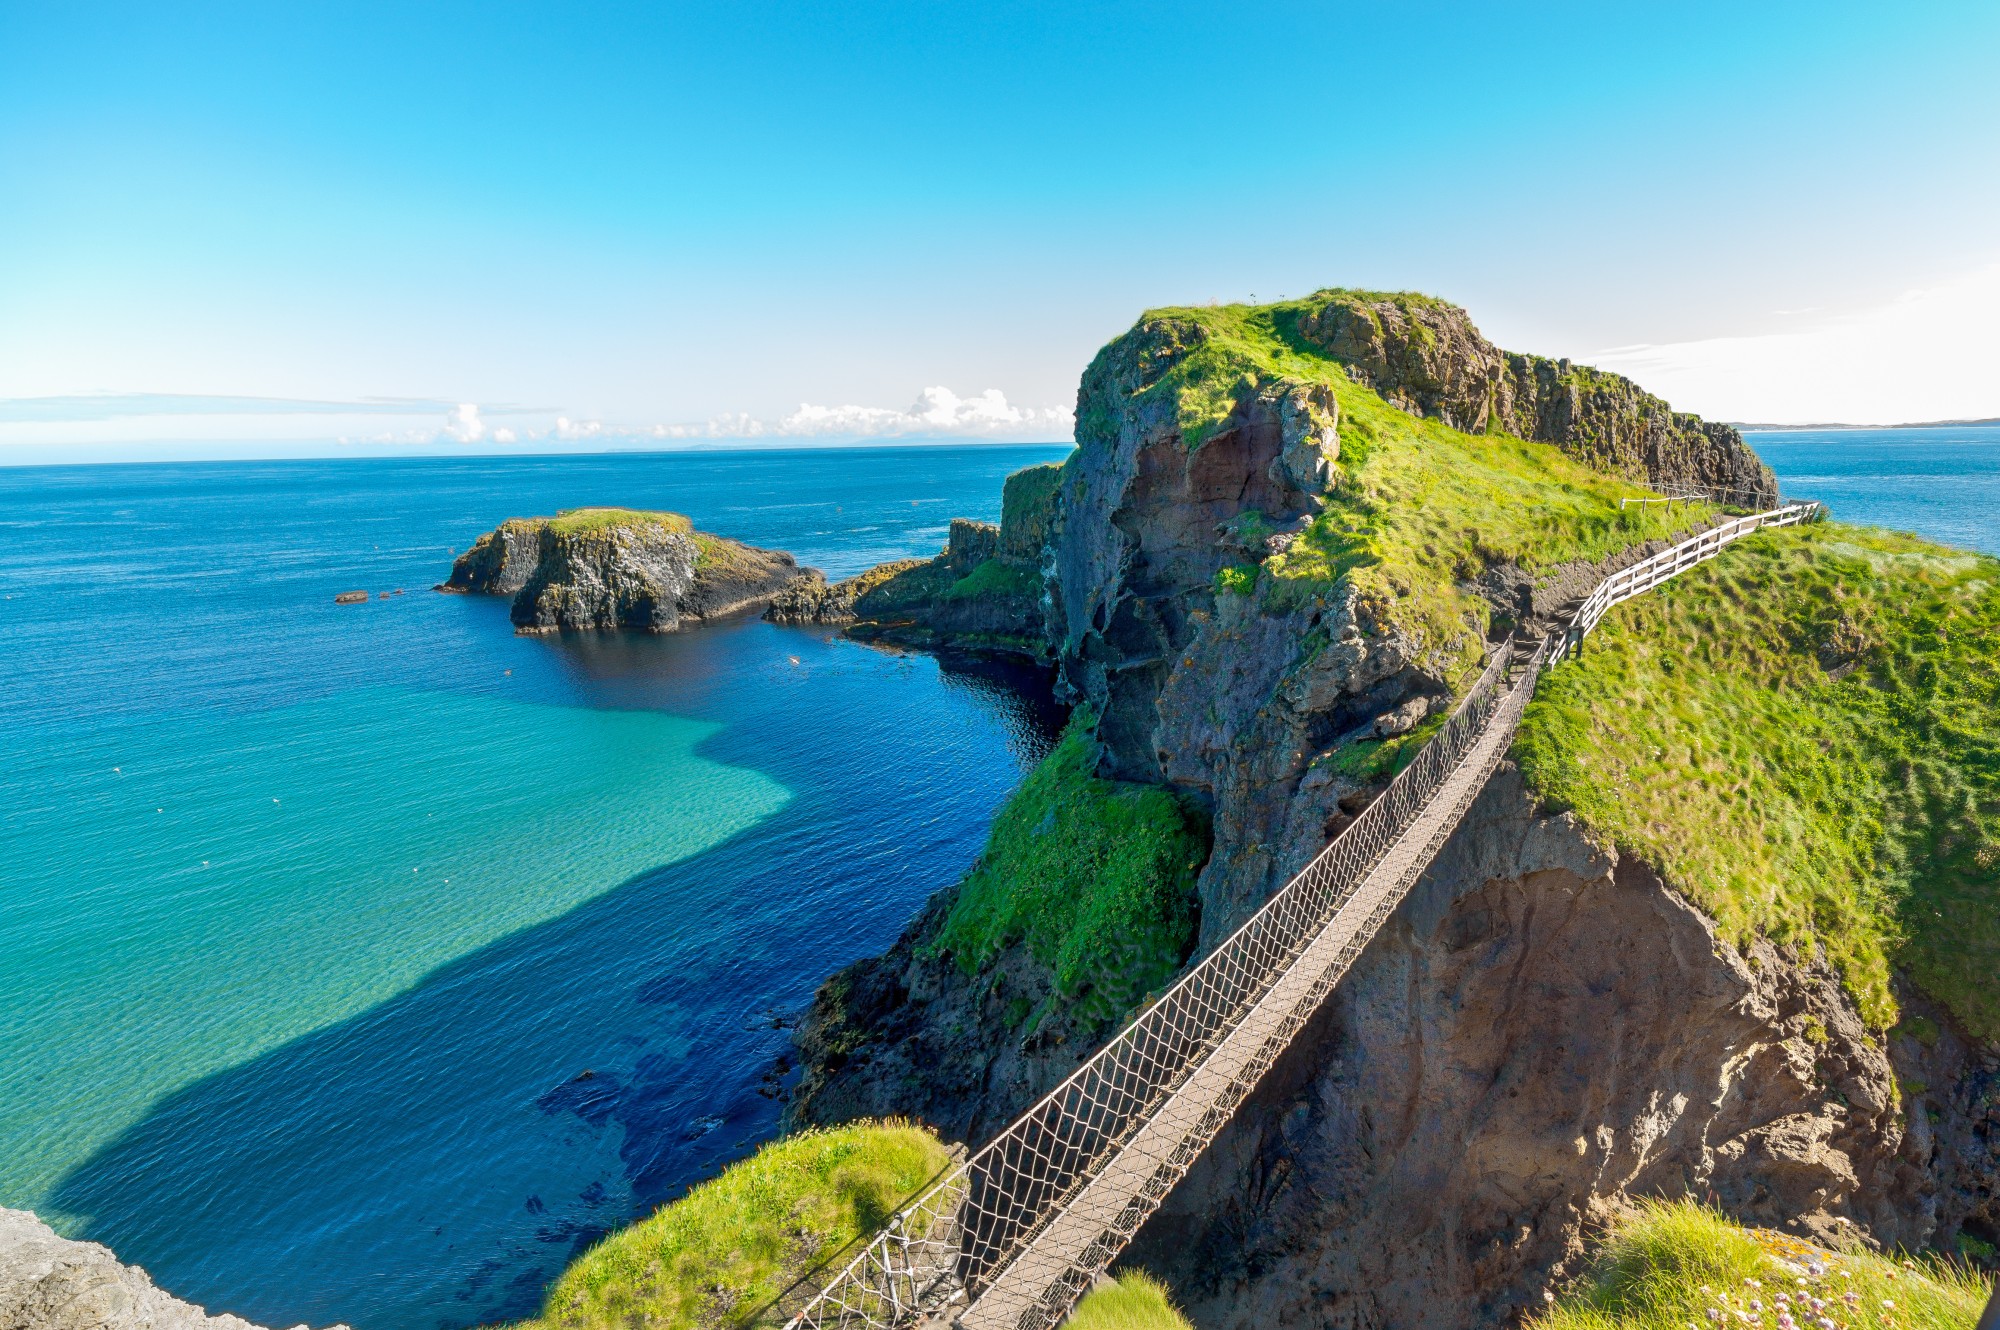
606	569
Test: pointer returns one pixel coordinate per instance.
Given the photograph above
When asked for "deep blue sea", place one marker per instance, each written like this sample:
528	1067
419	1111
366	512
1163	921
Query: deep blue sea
361	963
1941	482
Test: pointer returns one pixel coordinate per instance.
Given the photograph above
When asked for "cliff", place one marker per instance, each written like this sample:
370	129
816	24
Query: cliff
1282	546
1424	355
605	569
982	592
51	1283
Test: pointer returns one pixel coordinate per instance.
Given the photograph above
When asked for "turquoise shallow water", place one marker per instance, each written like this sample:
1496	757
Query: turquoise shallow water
362	963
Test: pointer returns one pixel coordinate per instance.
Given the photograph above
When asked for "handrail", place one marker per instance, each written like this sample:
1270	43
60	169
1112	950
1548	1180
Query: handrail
950	1251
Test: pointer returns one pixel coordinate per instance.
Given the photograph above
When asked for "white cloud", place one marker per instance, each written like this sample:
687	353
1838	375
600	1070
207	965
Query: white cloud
937	412
463	424
570	429
503	435
1933	354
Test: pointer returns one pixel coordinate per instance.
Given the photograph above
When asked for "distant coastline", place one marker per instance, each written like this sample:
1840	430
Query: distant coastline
1763	428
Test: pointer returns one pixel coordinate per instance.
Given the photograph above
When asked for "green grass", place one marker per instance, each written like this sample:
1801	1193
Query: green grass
1136	1302
1678	1265
1804	736
717	1255
1419	507
583	521
996	578
1096	876
1027	508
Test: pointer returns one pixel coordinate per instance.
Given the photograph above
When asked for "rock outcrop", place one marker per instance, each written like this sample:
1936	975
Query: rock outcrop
1425	356
982	592
607	569
52	1283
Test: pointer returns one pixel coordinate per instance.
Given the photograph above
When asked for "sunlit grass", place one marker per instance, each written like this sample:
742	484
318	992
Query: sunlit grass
728	1247
1678	1265
1804	735
1136	1302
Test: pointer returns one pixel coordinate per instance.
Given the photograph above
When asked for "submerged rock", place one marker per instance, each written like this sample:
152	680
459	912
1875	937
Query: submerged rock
604	569
52	1283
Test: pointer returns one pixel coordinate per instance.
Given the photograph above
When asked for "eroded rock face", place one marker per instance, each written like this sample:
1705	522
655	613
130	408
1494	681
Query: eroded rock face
642	572
1539	1032
1426	356
51	1283
1232	703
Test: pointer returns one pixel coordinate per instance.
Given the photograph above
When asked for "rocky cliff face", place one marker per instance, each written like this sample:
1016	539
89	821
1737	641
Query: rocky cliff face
1543	1029
1425	356
52	1283
607	569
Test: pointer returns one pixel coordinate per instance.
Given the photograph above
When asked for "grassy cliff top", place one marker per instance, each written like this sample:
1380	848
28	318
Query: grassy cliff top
582	521
1674	1266
730	1245
1419	507
1804	736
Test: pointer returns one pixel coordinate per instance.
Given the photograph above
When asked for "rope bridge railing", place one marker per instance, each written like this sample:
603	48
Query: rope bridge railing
1009	1239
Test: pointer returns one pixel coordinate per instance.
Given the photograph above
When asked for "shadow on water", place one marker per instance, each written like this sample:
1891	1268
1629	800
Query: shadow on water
437	1159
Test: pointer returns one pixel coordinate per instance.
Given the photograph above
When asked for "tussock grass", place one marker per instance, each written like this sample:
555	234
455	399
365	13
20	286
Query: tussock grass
1096	876
1804	736
733	1243
1420	507
1679	1265
1136	1302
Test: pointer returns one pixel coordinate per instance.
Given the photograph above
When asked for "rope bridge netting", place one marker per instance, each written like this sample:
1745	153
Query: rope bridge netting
1012	1237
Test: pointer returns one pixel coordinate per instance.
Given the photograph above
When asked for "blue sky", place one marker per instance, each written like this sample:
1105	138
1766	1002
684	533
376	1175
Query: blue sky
696	219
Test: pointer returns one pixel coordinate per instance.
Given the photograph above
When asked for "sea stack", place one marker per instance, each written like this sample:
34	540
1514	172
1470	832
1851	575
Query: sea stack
612	569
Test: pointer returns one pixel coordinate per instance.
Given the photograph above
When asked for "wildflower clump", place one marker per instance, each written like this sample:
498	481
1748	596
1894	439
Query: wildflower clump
1679	1266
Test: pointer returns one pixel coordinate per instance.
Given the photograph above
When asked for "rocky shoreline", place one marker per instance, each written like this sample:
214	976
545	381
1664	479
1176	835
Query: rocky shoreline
53	1283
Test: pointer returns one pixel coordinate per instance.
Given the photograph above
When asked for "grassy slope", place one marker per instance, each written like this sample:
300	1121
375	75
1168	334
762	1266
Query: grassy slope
1096	876
1419	506
1136	1302
733	1243
1805	736
1676	1266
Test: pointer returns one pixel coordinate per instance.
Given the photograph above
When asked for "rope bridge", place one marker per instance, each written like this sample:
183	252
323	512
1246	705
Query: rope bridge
1012	1237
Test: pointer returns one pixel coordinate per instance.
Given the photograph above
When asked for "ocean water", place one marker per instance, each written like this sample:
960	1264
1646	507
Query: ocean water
364	962
1942	482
